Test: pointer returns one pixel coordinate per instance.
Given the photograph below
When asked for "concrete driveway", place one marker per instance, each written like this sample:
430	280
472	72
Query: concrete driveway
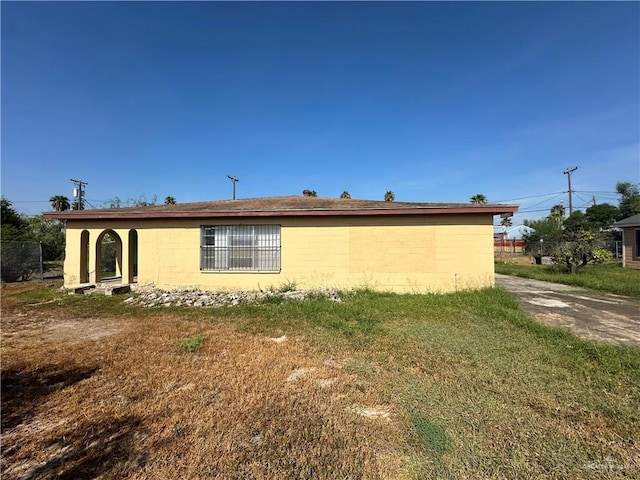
609	318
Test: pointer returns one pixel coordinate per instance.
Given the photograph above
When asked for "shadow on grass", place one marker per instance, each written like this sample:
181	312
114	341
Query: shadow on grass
91	450
88	449
23	388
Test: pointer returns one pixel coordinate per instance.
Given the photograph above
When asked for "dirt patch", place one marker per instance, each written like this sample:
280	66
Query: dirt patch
41	326
517	259
82	329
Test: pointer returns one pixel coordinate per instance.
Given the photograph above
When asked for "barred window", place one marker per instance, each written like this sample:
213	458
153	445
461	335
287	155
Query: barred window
240	247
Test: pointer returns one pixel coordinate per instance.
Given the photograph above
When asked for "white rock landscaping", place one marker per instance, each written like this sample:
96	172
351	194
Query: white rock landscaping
150	296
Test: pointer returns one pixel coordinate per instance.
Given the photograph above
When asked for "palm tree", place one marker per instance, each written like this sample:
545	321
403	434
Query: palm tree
60	203
77	205
557	213
389	196
478	199
506	222
345	194
169	200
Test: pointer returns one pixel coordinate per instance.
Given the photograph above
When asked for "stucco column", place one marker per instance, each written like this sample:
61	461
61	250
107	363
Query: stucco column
125	257
72	257
95	257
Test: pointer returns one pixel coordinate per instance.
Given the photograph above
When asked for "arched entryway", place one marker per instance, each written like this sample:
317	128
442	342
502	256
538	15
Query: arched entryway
108	256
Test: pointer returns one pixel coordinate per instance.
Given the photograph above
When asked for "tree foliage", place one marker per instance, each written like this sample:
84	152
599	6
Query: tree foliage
139	201
60	203
345	194
50	233
9	215
602	216
20	234
169	200
572	243
557	213
629	199
579	249
478	199
15	236
545	238
579	239
389	196
108	247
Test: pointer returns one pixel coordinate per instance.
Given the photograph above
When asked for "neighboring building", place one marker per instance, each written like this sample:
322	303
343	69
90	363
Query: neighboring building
313	241
630	240
510	239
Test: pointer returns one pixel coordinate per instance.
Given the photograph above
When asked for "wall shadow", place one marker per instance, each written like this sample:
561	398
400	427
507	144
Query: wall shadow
23	388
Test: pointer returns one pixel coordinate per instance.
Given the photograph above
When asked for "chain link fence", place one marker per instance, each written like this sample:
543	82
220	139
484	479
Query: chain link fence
615	247
21	261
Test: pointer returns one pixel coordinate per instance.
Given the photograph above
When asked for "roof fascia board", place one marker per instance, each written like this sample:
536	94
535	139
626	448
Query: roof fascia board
103	215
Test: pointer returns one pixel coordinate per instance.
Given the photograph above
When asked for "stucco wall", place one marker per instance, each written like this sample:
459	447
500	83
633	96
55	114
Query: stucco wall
431	253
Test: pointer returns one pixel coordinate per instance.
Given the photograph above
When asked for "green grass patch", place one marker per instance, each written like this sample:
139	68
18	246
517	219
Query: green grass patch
361	367
608	277
192	344
430	434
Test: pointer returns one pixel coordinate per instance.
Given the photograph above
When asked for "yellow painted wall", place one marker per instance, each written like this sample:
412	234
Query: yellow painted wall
433	253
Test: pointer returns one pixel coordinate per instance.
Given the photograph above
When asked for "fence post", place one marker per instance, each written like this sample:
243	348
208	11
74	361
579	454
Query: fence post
41	264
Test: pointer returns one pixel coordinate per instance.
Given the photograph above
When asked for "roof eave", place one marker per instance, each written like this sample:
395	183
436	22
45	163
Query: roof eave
116	214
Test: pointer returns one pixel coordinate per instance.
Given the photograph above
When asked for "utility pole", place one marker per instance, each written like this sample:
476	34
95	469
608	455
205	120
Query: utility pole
568	173
78	192
234	180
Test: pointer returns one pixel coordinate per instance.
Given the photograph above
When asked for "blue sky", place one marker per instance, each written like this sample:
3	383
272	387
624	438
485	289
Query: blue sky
434	101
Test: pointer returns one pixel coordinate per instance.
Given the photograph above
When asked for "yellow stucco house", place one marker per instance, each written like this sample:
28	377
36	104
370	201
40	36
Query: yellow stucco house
316	242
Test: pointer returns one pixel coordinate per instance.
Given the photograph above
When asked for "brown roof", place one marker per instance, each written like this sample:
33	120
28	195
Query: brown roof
282	206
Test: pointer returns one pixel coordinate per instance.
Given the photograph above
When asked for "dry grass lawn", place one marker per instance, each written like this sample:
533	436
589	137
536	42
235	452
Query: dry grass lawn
95	389
116	397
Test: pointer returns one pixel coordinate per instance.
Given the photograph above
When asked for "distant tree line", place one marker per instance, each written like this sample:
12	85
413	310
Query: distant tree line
19	228
579	239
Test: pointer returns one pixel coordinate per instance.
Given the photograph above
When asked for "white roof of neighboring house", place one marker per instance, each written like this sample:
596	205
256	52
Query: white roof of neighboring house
514	232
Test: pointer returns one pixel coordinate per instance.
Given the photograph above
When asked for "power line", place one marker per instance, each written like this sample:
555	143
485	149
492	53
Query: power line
531	196
597	191
588	202
547	200
533	211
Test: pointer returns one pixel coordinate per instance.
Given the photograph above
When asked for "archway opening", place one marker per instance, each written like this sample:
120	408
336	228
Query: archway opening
108	256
